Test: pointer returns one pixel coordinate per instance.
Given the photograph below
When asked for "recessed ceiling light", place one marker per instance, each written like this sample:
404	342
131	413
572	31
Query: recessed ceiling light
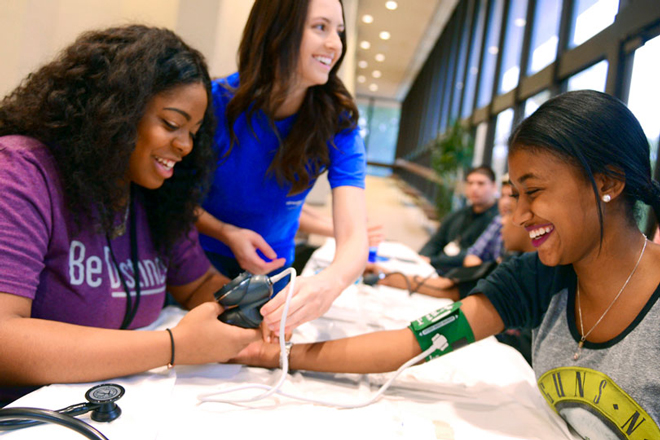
493	50
384	35
362	64
376	74
367	18
373	87
362	79
520	22
380	57
391	5
365	44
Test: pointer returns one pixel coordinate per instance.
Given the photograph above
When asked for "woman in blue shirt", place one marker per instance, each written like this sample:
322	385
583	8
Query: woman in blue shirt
283	119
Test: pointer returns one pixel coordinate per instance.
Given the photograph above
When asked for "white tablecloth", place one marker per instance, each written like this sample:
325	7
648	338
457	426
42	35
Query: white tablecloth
483	391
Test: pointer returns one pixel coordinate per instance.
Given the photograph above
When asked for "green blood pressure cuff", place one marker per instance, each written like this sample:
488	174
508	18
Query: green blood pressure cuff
447	326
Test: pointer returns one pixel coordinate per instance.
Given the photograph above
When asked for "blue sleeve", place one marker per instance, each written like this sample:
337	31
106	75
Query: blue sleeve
348	162
521	289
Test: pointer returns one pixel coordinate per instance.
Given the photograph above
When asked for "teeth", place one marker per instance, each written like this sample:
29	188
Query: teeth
536	233
169	164
325	60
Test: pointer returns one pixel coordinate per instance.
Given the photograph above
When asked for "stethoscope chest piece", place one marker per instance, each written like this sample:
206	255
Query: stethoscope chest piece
105	395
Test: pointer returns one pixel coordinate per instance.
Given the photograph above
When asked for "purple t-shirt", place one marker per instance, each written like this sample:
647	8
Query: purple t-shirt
68	272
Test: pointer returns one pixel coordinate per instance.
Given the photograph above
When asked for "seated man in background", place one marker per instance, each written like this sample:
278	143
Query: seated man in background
488	246
457	282
459	230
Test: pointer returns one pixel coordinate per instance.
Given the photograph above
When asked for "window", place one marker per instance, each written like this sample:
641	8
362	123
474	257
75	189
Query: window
503	126
645	92
544	35
473	66
379	128
513	39
479	144
490	52
590	17
460	69
592	78
533	103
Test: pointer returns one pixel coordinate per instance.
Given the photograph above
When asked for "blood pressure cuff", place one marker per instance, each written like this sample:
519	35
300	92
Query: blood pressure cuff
447	326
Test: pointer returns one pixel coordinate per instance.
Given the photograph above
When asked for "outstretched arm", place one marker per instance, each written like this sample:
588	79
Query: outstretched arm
314	295
372	352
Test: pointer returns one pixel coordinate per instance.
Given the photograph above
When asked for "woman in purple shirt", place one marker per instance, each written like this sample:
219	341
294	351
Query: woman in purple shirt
104	154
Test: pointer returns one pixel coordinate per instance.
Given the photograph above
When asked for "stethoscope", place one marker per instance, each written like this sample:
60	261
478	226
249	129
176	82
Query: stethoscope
100	401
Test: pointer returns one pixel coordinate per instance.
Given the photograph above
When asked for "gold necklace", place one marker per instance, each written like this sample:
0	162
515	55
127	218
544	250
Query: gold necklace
584	336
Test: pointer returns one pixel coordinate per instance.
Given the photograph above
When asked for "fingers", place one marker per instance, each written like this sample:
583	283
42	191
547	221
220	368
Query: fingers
294	319
375	235
210	308
241	337
273	265
256	265
266	334
274	304
296	315
274	317
260	243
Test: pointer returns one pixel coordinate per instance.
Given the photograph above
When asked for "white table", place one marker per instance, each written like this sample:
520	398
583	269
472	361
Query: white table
483	391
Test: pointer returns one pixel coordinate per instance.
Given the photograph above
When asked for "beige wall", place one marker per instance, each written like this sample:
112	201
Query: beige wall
33	31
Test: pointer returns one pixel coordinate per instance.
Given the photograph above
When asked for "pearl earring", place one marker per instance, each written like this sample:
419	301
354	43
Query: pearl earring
607	198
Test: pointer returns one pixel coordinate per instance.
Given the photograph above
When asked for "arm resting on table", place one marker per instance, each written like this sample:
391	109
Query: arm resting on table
372	352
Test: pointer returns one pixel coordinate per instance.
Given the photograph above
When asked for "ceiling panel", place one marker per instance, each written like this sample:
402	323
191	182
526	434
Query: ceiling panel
414	27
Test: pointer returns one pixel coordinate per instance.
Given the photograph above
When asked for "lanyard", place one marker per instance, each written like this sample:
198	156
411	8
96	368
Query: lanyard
131	309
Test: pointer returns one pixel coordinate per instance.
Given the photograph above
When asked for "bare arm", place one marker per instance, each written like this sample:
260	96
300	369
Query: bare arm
349	214
369	353
37	351
313	222
314	295
199	291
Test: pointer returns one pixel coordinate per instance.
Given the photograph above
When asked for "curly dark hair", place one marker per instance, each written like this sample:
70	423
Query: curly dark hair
274	32
85	106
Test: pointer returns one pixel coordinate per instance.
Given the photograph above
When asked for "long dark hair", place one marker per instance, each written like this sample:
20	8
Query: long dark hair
274	33
85	106
598	134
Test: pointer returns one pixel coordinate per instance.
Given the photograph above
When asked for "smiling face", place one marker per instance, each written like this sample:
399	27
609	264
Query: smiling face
321	45
165	134
556	206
